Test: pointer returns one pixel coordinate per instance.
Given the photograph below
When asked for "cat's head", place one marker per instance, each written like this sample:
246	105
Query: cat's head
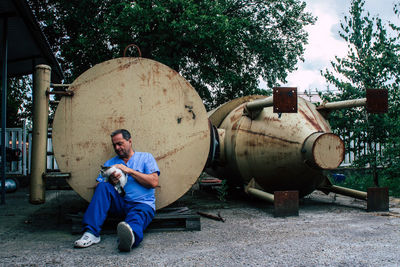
103	170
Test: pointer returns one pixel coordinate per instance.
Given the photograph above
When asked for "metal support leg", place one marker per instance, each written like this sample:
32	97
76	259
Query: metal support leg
4	109
378	199
286	203
39	133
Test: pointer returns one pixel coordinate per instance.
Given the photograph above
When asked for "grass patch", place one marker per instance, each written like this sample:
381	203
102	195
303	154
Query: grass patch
362	179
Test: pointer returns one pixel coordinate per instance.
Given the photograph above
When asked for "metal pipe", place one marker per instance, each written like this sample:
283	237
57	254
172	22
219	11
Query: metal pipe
260	194
4	109
323	151
24	154
61	93
254	108
347	192
60	85
39	133
343	104
259	104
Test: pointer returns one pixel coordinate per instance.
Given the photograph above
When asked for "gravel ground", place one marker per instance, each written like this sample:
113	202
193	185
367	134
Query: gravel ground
329	231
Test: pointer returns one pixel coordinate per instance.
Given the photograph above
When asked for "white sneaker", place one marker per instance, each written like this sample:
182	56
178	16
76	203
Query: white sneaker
86	240
126	237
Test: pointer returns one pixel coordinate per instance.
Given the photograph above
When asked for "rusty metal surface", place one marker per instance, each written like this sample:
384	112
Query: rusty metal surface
377	100
285	99
159	107
217	115
268	148
286	203
378	199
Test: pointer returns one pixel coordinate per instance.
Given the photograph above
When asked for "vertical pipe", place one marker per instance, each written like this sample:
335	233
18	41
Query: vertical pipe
24	172
4	109
39	133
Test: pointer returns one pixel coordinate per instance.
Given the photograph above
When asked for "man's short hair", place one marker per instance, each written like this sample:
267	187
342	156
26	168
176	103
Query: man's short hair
125	134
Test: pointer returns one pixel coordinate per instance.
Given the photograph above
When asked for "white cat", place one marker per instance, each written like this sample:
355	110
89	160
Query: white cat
107	171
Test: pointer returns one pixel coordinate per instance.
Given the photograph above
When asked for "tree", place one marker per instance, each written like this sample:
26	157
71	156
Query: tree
372	62
19	101
221	47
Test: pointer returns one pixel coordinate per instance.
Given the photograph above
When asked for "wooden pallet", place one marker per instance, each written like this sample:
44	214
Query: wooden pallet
167	219
175	219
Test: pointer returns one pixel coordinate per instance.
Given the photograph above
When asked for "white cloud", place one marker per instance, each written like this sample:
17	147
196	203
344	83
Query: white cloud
323	45
325	42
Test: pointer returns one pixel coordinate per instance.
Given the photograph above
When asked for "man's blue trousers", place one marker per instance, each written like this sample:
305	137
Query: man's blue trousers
106	201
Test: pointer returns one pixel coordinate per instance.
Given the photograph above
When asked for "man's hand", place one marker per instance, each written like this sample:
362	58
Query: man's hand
147	180
123	168
114	178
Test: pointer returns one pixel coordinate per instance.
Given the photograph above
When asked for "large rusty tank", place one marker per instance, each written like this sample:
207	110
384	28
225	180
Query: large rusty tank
280	151
158	106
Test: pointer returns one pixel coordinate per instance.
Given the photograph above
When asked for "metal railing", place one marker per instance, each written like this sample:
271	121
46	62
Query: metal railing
51	160
356	147
21	138
16	139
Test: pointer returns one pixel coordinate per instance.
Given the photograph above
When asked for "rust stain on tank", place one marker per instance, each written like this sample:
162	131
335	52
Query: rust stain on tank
271	119
143	77
119	120
235	125
325	124
169	153
156	69
105	146
269	136
84	145
164	91
251	143
75	87
171	74
312	121
127	65
237	114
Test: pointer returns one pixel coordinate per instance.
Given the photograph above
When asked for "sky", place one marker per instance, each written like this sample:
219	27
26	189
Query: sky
325	42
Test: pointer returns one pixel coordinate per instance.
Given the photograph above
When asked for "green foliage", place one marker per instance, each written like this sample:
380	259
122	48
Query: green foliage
356	180
222	191
19	101
372	62
221	47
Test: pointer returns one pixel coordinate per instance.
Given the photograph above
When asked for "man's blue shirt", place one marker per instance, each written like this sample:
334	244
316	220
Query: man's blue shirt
136	193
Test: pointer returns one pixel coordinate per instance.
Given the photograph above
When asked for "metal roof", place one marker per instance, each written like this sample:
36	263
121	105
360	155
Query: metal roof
27	45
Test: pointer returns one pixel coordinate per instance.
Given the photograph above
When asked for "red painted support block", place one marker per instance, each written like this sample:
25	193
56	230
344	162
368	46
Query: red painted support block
286	203
377	100
378	199
285	99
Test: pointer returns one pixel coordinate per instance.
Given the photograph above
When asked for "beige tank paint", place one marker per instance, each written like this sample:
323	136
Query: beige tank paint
158	106
269	147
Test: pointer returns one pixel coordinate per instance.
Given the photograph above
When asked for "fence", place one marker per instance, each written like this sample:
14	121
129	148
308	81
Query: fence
356	147
22	138
16	139
51	160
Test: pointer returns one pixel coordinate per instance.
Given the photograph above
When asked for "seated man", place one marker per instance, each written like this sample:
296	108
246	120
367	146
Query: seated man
138	203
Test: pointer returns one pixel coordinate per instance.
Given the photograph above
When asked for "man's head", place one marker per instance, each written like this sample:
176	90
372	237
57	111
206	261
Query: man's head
122	143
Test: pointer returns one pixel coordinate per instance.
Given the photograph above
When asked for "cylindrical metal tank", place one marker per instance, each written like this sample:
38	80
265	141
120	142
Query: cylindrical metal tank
159	107
280	151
